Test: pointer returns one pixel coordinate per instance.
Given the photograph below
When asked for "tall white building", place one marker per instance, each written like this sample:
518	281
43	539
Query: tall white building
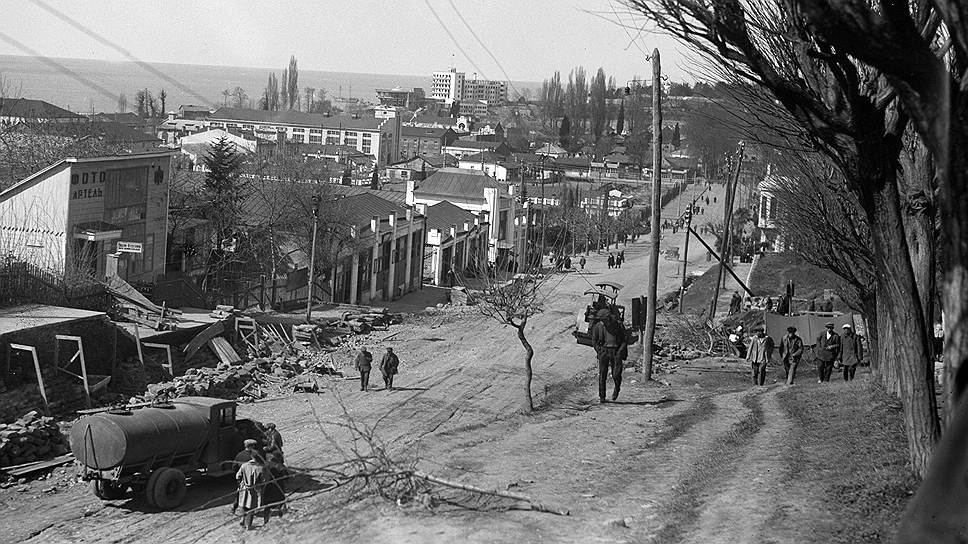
447	86
492	92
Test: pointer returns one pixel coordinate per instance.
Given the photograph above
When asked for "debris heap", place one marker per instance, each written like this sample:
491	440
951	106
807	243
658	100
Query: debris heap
30	438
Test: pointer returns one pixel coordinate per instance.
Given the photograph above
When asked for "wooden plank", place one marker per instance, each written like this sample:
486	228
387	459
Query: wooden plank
202	338
223	350
37	466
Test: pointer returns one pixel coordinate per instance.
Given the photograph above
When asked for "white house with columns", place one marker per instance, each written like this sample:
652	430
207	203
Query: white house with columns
383	260
491	201
456	240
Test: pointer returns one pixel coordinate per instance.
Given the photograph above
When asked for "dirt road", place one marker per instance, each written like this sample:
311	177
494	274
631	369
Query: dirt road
461	391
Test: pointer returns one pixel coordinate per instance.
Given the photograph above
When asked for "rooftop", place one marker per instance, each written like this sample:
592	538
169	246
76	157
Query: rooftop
290	117
457	182
444	214
474	144
38	109
29	316
414	132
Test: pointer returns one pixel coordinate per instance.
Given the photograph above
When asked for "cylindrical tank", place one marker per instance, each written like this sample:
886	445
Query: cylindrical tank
106	440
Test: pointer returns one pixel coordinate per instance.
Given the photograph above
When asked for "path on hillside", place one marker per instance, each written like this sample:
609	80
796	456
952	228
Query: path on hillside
458	377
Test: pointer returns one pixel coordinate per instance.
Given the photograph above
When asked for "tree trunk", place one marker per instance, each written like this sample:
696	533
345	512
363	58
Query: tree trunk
897	287
869	308
528	372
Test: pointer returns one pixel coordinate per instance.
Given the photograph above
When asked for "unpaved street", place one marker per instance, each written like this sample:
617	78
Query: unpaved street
458	409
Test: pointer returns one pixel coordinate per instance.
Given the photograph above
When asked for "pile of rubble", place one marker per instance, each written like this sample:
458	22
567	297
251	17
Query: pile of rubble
30	438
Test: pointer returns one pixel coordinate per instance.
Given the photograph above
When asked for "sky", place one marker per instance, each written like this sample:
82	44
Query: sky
529	38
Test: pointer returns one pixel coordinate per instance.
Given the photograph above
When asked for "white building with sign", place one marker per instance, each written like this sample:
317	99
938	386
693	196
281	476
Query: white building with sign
93	216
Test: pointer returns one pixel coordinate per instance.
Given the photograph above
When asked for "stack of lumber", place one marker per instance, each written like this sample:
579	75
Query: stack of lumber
31	438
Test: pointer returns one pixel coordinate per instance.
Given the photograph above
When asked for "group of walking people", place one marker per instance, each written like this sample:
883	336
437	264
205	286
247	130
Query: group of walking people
260	475
829	350
389	366
615	260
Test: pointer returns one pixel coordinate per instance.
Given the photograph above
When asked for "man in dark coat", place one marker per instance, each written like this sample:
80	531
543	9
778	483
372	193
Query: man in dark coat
388	368
364	363
610	341
791	351
827	351
851	352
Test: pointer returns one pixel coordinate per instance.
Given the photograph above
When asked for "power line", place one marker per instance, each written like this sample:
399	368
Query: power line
64	17
481	42
454	39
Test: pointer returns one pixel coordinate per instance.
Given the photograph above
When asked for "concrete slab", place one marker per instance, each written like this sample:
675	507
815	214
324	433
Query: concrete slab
29	316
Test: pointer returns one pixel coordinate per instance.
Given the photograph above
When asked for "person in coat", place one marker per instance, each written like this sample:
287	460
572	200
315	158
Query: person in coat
851	352
388	368
611	260
827	351
274	492
737	343
251	477
364	363
582	261
272	436
759	355
791	351
609	340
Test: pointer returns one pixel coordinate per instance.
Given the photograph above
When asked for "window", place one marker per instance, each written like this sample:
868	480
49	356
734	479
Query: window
366	262
299	130
332	140
315	131
149	252
351	138
247	127
126	187
401	251
772	207
298	138
315	138
385	256
502	227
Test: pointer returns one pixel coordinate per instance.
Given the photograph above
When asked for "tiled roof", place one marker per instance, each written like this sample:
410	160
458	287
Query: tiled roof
107	131
127	118
396	197
359	209
444	214
457	182
291	117
29	108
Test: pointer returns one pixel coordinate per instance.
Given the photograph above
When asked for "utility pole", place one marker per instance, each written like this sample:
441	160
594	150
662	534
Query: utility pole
650	305
544	212
685	253
312	259
727	219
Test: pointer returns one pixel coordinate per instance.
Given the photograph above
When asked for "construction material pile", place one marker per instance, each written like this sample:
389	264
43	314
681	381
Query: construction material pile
30	438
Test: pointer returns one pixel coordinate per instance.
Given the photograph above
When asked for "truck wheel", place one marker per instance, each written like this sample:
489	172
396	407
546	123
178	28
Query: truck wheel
107	490
166	488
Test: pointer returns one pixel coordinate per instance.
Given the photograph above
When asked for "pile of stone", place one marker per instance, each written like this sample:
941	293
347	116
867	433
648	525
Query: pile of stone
30	438
225	381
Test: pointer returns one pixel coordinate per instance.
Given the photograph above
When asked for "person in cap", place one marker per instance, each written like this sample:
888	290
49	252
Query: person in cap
759	355
609	340
851	352
388	368
252	477
791	351
273	438
250	449
364	363
827	350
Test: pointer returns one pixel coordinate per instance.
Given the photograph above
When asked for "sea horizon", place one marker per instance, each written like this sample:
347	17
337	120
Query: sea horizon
31	77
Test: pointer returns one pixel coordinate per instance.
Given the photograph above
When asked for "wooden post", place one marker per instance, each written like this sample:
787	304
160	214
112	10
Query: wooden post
685	254
649	335
727	218
40	377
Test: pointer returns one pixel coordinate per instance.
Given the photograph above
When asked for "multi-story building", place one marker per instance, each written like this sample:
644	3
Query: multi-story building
493	202
447	86
410	99
473	108
462	148
417	141
378	137
493	92
97	217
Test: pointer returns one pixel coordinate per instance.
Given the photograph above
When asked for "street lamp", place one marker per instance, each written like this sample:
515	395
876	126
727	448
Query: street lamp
312	258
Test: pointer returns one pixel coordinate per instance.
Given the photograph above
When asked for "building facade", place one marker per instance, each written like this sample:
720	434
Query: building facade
378	137
447	86
410	99
96	217
418	141
493	92
456	241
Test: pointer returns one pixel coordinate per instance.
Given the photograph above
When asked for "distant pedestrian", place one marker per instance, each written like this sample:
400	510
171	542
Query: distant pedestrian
610	342
251	478
364	363
735	303
611	260
450	277
791	351
827	351
388	368
582	261
618	260
851	352
759	355
567	263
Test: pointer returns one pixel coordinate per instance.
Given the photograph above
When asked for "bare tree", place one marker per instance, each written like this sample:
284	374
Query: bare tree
122	103
844	109
512	301
240	97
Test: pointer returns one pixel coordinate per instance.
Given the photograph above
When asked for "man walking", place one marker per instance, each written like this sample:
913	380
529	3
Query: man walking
827	350
760	352
610	341
364	362
582	262
611	260
791	351
851	352
388	368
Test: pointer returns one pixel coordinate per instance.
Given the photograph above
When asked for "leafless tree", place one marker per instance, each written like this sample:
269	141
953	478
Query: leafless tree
240	97
845	110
